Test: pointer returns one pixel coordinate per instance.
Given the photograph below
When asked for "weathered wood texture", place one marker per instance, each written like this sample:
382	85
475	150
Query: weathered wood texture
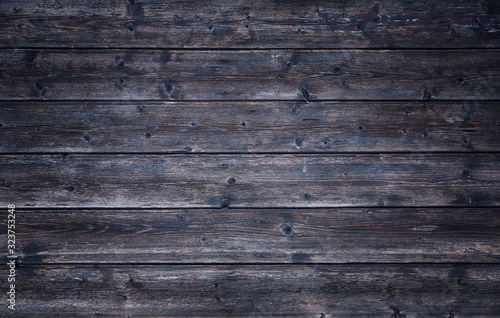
249	127
249	75
153	149
259	24
259	291
403	235
250	180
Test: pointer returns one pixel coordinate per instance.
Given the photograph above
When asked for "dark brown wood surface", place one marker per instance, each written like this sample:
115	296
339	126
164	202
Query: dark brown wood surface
374	290
240	127
249	75
250	180
377	235
251	158
256	24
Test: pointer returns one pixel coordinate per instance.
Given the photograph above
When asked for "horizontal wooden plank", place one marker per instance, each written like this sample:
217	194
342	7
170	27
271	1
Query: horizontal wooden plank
250	180
407	235
249	127
249	75
263	291
261	24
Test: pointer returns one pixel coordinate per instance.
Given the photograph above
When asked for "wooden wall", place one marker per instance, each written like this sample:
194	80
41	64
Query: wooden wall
251	158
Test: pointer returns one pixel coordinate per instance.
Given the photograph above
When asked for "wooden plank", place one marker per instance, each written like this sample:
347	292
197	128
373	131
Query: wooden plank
249	127
264	291
193	180
261	24
405	235
249	75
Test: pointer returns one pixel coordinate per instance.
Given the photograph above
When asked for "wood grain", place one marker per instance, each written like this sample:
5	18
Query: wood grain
249	127
239	24
166	181
265	158
264	291
403	235
249	75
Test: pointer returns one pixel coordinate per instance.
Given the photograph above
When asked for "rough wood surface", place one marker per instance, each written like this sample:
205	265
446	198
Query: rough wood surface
250	180
259	24
259	291
249	127
249	75
265	158
403	235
